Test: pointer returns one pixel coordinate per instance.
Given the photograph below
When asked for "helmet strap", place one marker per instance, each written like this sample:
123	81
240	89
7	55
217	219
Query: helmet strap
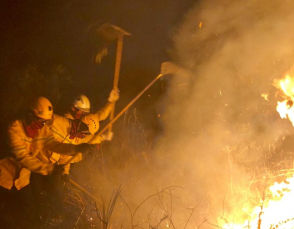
77	116
75	113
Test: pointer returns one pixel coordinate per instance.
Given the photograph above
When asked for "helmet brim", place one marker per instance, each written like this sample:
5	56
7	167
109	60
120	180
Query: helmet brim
86	110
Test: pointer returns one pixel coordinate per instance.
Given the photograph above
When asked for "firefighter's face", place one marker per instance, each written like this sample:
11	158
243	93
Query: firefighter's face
78	113
37	119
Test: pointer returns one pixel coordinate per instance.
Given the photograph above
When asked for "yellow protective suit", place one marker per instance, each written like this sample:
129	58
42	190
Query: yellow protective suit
17	169
61	128
9	171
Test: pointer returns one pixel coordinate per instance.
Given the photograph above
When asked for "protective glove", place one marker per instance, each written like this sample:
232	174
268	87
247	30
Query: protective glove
84	148
65	178
108	136
113	96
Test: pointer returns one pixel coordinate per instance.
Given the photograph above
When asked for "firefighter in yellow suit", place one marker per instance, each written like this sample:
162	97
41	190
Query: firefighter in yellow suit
28	137
78	126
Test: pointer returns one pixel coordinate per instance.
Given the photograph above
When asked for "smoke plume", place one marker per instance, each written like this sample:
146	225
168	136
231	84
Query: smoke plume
220	134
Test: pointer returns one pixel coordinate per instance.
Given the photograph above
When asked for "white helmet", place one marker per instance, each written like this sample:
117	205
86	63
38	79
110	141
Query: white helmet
42	108
82	103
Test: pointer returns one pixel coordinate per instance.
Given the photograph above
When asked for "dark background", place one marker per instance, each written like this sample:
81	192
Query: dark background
48	49
45	34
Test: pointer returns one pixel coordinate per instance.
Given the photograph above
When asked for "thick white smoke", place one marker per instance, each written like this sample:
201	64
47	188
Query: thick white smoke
220	136
219	132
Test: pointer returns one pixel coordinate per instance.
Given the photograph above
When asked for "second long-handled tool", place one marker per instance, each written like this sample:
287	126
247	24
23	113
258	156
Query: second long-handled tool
165	70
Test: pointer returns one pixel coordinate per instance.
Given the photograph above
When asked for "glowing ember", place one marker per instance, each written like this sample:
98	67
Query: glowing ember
265	96
287	86
285	108
277	211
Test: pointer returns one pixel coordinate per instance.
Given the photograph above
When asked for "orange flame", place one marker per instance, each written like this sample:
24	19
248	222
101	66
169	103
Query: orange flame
265	96
274	213
285	108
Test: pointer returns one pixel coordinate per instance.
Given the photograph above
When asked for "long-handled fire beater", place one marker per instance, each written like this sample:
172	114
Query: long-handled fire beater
112	32
167	68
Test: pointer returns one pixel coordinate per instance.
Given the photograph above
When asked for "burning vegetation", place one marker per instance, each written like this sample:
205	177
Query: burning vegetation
275	208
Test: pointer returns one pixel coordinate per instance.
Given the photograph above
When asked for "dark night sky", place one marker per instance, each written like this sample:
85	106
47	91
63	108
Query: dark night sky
50	33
